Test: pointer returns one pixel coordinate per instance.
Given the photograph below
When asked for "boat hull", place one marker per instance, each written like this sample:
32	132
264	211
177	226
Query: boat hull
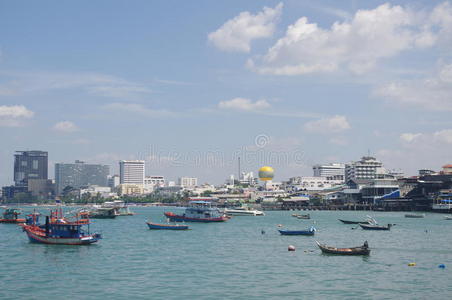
12	221
37	237
372	227
166	226
353	222
178	218
343	251
296	232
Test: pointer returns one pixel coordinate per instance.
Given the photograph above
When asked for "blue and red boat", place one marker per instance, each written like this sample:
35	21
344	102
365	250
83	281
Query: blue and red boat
199	211
59	230
11	215
167	226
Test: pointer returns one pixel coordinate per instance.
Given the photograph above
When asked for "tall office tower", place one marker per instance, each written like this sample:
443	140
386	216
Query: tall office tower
30	165
131	172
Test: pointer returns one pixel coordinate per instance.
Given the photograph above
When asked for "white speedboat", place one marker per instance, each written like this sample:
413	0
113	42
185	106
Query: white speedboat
447	217
243	211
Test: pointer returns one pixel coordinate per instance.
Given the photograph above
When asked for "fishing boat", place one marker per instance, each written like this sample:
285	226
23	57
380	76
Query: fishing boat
414	215
103	213
375	227
304	217
310	231
243	211
354	222
11	215
361	250
120	207
59	230
199	211
167	226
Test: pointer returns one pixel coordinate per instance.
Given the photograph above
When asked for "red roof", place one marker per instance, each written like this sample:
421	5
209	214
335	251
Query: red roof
447	166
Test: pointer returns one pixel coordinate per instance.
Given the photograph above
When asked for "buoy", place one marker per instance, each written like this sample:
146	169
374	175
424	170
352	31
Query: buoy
291	248
411	264
442	266
262	231
279	225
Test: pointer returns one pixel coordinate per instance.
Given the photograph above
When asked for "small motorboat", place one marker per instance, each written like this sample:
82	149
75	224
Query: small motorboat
304	217
414	215
167	226
375	227
447	217
354	222
361	250
310	231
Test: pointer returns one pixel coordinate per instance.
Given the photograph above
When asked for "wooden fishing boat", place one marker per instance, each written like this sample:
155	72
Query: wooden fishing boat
310	231
167	226
354	222
59	230
361	250
375	227
11	215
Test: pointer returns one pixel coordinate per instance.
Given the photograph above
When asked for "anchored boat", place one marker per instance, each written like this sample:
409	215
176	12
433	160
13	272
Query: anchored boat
243	211
310	231
59	230
375	227
11	215
361	250
166	226
199	211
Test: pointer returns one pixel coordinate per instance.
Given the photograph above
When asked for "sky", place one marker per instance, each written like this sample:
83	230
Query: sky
191	86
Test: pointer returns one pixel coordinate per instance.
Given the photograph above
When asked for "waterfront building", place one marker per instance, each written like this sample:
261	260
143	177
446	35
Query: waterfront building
131	172
334	171
447	169
366	168
80	174
188	182
305	183
98	191
30	165
43	188
130	189
154	180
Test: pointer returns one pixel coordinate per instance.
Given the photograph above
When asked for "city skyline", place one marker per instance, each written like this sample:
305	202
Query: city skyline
193	86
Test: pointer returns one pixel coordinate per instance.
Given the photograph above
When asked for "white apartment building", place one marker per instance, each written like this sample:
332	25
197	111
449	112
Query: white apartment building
333	171
188	182
154	180
305	183
131	172
366	168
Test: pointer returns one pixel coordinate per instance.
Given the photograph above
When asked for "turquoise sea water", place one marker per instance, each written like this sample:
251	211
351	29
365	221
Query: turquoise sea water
234	260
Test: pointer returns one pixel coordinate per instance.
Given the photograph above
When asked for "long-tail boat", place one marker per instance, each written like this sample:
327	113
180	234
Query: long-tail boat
360	250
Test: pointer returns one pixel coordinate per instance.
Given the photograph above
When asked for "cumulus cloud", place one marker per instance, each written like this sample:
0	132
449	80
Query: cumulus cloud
237	33
65	127
244	104
433	93
332	124
355	45
410	137
14	115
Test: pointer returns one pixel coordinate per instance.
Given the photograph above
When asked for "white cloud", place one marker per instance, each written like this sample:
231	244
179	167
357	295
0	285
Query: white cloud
434	93
333	124
138	109
444	136
410	137
244	104
14	115
356	45
24	83
237	33
65	127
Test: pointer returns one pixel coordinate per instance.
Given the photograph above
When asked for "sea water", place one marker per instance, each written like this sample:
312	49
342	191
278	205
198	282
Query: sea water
243	258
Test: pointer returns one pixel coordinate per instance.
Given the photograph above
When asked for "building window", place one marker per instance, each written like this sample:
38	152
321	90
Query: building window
35	164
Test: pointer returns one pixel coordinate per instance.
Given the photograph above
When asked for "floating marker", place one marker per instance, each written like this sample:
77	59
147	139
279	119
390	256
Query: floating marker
279	225
413	264
442	266
291	248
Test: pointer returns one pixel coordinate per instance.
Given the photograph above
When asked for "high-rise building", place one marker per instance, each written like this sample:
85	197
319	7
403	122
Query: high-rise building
188	182
131	172
30	165
80	174
113	181
330	171
367	168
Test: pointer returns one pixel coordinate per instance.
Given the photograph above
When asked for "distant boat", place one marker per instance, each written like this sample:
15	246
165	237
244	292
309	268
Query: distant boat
121	208
11	215
354	222
310	231
103	213
447	217
414	215
167	226
375	227
361	250
199	211
304	217
243	211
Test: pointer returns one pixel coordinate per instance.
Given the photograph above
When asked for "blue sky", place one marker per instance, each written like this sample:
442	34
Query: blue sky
190	86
